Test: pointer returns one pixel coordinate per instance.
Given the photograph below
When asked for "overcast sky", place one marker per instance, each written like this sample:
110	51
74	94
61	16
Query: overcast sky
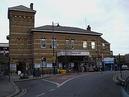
110	17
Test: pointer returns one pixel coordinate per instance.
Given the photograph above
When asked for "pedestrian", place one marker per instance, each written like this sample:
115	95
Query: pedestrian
19	72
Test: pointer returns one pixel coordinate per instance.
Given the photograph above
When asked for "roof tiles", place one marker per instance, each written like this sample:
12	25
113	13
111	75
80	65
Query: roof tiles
21	8
64	29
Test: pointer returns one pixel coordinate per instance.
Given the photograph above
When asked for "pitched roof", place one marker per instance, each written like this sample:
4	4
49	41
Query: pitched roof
104	41
64	29
21	8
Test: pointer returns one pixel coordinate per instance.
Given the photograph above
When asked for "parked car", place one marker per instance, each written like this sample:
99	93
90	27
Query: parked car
125	67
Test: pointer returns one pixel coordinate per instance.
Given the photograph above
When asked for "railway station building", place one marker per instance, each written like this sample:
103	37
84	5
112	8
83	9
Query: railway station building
51	45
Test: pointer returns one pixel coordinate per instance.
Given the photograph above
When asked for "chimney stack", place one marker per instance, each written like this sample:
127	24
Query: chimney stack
31	6
88	28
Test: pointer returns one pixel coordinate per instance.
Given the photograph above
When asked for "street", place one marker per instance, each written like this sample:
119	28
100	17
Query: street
96	84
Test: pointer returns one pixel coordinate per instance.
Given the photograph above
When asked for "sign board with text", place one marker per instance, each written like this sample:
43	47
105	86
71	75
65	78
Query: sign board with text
73	53
108	60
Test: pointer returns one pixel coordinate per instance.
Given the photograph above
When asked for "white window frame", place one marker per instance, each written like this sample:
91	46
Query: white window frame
72	43
55	43
93	45
103	45
84	44
67	43
43	43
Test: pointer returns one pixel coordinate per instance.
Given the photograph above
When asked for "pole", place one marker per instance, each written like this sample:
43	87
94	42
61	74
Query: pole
42	65
42	68
9	69
8	65
97	45
53	37
120	66
53	47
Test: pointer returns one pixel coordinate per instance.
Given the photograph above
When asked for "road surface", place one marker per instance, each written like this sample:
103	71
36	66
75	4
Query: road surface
95	84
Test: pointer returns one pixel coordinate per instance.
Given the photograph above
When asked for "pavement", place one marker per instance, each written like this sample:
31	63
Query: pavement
120	77
7	88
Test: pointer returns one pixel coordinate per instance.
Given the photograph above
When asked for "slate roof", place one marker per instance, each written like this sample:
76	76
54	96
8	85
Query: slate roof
104	41
64	29
21	8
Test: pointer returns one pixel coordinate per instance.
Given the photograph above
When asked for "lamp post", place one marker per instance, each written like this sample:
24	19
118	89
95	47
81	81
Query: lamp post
53	37
8	38
53	48
54	45
97	52
42	59
9	69
4	53
120	65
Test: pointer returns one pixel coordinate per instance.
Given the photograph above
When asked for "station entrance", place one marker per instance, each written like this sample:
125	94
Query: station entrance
73	63
73	60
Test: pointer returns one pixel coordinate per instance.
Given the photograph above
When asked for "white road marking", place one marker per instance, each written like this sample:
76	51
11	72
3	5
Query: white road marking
69	80
51	82
40	94
23	92
52	90
59	85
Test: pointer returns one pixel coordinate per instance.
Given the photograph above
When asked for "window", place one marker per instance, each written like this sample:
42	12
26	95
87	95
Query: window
103	45
43	43
67	43
92	45
72	43
53	43
84	44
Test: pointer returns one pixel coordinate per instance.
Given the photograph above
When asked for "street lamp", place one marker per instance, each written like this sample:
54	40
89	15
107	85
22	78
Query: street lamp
4	53
120	65
9	69
42	60
53	45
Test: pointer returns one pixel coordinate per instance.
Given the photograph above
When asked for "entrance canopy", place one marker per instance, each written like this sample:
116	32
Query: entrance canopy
73	53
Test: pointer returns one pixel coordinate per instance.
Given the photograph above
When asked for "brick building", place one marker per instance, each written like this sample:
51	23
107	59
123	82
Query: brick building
36	47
